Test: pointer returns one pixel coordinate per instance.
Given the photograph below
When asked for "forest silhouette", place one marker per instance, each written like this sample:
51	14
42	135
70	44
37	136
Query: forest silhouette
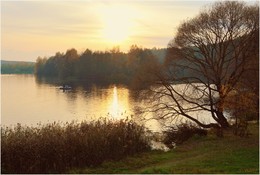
111	66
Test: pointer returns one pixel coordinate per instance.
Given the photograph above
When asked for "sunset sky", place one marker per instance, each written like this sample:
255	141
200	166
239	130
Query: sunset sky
41	28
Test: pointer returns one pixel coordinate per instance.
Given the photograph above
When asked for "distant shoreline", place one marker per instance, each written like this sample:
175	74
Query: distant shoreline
17	67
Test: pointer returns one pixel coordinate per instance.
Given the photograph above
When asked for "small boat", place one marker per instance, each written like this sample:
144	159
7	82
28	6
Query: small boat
66	87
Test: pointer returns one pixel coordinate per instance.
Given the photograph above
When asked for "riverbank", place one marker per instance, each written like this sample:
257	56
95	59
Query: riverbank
122	147
230	154
58	147
17	67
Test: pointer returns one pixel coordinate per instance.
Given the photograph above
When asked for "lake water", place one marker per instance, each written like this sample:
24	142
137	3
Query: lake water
27	100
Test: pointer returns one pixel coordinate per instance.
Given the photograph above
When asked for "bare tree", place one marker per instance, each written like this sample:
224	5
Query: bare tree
206	60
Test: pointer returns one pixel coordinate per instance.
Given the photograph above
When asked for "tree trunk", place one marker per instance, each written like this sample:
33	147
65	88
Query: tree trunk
222	120
220	107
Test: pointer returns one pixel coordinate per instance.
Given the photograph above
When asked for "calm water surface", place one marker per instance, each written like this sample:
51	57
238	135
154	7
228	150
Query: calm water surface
28	101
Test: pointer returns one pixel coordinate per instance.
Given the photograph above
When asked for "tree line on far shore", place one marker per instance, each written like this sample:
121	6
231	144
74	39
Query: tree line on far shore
112	66
17	67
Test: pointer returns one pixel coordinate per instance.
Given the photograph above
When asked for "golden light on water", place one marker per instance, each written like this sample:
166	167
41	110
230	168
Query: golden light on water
115	102
119	107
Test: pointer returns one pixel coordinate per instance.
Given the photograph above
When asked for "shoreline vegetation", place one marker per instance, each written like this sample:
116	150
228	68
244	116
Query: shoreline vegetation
17	67
58	147
110	146
199	155
111	66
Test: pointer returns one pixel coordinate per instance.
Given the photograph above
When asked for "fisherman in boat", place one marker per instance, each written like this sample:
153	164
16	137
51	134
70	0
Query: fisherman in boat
65	87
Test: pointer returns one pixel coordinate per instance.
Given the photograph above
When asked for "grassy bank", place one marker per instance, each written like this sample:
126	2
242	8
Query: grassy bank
230	154
121	147
57	147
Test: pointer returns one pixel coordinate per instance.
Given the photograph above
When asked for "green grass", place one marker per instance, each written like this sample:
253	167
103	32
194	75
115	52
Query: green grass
230	154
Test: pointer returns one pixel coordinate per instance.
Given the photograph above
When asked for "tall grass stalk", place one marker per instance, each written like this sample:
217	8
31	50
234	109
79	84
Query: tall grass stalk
57	147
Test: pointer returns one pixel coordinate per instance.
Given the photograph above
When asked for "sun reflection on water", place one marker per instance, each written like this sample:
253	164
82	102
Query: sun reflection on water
118	108
115	102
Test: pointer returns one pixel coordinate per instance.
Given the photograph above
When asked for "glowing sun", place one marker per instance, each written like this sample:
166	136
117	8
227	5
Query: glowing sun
118	23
